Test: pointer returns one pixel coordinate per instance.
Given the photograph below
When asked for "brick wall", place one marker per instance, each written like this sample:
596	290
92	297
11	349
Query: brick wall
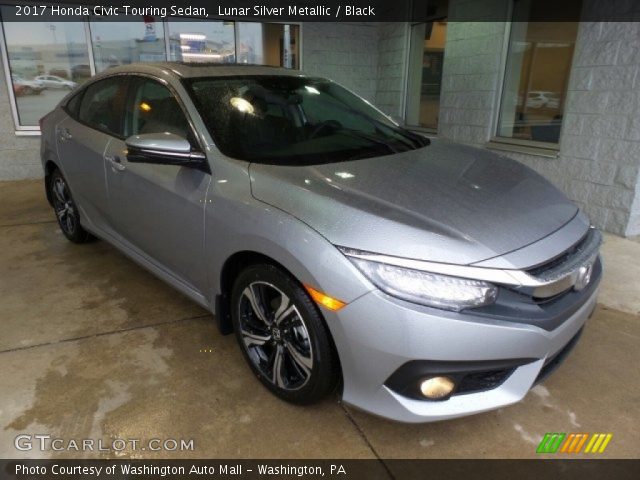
392	56
472	70
345	52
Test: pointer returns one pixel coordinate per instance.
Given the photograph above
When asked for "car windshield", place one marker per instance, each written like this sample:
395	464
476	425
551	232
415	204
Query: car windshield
295	120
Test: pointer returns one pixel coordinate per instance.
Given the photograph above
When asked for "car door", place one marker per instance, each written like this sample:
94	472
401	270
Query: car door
94	118
158	209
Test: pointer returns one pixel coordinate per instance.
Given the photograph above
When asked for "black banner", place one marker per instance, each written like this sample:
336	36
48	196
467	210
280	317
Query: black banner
578	469
322	10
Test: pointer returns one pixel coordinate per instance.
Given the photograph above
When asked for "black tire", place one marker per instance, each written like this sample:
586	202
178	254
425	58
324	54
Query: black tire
299	343
27	91
66	210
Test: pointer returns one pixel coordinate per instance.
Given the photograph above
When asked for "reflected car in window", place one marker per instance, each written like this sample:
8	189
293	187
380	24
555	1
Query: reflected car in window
27	87
542	99
55	82
424	280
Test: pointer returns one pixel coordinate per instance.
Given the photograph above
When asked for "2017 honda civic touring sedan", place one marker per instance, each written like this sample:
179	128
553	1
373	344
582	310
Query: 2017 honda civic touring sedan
426	280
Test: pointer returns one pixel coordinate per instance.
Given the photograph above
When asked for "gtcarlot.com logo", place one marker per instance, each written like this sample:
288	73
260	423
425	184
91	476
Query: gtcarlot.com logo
574	443
45	442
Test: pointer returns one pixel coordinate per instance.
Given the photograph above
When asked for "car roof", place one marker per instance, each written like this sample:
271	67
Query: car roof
193	70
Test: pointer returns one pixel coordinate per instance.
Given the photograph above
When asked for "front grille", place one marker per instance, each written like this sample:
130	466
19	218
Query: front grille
570	260
559	260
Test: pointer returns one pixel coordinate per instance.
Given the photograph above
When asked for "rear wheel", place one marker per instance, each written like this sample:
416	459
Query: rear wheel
66	210
282	335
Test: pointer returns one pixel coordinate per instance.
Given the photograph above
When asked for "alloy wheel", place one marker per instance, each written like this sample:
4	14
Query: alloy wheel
275	336
64	206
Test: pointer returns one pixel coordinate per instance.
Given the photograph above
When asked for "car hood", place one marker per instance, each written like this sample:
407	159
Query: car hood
444	203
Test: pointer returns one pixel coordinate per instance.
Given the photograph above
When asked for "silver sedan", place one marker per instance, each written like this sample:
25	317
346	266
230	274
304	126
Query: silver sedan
424	280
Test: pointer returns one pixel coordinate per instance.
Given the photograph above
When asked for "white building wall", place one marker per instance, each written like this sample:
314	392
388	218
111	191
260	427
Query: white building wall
470	79
392	67
344	52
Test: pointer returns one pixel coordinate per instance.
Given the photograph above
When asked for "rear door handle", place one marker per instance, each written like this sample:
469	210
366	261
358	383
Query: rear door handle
64	134
115	162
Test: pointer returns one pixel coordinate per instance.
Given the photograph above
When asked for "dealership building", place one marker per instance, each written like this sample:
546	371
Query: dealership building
561	97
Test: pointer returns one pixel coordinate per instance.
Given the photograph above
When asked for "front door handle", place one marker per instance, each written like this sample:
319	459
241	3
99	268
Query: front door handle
115	162
64	134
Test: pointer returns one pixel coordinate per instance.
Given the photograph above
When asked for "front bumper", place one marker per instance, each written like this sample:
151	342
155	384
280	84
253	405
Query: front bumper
377	334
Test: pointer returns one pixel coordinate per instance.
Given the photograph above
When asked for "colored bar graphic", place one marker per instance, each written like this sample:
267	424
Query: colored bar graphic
550	442
581	443
598	443
573	443
606	442
590	444
569	441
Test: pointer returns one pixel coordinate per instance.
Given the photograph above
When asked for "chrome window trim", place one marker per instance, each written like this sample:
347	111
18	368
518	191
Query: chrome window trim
542	286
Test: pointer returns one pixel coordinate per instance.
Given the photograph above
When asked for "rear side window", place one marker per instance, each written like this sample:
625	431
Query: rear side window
102	105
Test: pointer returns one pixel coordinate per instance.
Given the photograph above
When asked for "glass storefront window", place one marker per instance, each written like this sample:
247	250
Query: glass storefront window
272	44
425	73
46	59
121	43
202	41
537	73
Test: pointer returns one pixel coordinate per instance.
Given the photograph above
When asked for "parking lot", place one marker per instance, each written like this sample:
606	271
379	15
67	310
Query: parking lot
93	346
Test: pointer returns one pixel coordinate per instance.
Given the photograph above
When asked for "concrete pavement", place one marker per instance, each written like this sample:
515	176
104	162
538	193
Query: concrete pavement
92	346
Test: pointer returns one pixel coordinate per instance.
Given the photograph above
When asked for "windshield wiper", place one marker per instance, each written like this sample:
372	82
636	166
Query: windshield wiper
416	140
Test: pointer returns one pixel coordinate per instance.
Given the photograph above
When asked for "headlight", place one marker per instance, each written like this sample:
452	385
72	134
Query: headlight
434	290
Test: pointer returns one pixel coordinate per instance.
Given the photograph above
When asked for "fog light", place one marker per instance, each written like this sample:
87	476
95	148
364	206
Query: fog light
437	387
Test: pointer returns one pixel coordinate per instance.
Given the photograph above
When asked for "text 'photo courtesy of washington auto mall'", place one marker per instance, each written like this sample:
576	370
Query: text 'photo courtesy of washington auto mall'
342	239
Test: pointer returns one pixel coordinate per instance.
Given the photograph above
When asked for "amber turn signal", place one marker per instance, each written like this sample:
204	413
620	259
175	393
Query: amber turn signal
325	300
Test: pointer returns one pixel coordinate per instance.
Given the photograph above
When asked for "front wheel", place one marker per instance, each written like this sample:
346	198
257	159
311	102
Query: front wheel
66	209
282	335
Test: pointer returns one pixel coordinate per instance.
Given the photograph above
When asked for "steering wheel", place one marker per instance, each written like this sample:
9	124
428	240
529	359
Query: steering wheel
327	124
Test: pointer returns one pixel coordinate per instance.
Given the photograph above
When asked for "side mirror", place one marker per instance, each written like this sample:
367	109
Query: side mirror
164	149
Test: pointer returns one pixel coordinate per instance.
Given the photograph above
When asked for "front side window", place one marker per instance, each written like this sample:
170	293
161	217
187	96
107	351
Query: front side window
36	50
153	109
295	120
102	105
537	73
